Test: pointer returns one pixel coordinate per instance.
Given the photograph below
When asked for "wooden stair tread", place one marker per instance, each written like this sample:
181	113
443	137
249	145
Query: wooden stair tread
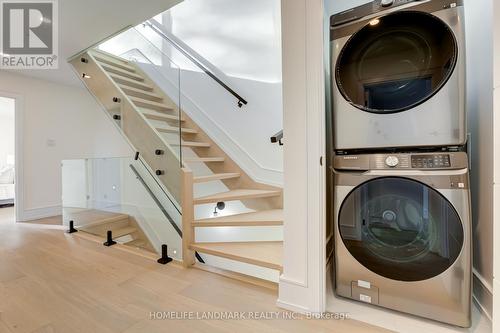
240	194
170	129
117	233
194	144
101	53
265	254
122	72
203	159
136	243
216	176
129	82
95	216
120	68
131	91
113	62
141	102
152	114
261	218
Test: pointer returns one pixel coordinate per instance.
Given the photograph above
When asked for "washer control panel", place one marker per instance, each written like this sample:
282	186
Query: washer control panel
431	161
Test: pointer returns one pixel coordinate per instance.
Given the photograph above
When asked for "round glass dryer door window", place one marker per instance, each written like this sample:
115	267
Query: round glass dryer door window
401	229
396	62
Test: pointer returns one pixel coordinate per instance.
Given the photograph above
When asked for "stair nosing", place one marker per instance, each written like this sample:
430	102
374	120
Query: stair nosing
191	144
216	176
204	159
176	130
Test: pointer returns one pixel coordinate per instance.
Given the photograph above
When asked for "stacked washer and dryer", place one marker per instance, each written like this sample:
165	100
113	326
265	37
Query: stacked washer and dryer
401	209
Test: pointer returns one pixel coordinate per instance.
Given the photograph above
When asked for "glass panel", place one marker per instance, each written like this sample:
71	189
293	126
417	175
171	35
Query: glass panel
96	192
401	229
157	66
396	62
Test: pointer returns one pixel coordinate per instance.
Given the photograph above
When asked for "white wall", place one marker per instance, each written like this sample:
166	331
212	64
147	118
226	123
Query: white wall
302	282
59	122
242	40
479	41
7	106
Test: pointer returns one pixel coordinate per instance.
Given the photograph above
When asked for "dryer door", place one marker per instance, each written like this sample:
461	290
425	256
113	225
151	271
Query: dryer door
401	229
396	62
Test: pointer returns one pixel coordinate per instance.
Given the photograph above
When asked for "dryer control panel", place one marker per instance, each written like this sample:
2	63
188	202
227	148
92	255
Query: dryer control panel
402	161
378	6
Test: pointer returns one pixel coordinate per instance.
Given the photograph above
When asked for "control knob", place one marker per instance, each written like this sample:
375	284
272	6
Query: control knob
392	161
386	3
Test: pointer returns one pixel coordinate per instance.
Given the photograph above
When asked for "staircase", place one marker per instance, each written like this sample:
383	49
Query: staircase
163	134
125	230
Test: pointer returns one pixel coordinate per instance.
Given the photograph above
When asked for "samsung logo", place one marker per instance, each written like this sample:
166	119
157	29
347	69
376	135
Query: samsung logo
350	157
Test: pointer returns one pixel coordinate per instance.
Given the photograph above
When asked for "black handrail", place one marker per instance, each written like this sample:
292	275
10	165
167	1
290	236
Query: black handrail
278	137
153	25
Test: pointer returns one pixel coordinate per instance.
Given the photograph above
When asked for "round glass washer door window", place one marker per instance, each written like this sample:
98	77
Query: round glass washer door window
401	229
396	62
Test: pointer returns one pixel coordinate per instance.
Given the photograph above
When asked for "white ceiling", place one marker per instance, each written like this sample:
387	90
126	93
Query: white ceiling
83	23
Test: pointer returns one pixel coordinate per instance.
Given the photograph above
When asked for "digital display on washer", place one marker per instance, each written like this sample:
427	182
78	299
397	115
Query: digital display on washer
430	161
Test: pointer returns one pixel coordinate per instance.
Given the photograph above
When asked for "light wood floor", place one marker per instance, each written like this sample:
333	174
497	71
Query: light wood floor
53	282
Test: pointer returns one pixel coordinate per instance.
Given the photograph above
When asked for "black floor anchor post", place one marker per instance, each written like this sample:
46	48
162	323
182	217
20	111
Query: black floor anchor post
71	229
109	239
165	259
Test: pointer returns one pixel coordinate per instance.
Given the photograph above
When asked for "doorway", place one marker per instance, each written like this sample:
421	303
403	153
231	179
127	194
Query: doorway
7	152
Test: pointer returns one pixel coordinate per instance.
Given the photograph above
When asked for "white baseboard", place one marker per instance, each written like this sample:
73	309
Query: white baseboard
292	307
39	213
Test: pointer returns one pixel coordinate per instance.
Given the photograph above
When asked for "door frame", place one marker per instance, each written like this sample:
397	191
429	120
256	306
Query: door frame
19	151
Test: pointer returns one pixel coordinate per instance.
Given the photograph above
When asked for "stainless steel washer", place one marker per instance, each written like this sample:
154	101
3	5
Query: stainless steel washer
398	72
403	233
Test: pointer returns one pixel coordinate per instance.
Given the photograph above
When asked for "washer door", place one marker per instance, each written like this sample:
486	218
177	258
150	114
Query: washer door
396	62
400	229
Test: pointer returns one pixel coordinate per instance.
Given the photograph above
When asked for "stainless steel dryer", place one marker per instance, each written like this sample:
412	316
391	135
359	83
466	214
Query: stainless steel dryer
403	233
398	68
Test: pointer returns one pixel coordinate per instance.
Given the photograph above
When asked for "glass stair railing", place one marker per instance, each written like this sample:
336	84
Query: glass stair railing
122	196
